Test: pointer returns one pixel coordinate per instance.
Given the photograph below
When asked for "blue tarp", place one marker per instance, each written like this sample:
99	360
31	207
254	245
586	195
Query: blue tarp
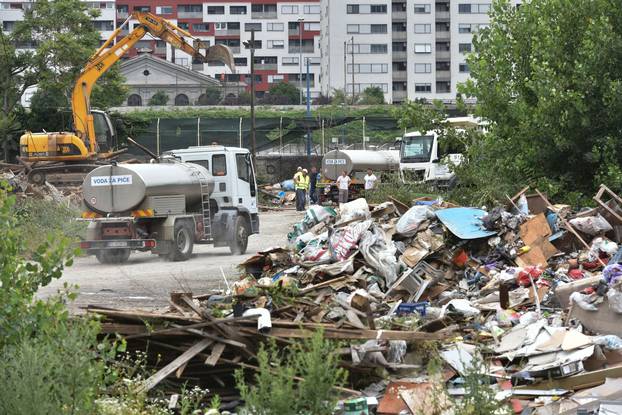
464	222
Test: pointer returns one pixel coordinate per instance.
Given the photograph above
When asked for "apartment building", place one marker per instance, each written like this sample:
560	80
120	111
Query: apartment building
286	37
410	49
12	11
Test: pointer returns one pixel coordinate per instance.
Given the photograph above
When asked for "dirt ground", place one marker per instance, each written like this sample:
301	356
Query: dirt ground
146	281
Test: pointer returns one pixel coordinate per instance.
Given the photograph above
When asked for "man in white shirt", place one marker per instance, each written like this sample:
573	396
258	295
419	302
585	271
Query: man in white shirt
370	180
343	184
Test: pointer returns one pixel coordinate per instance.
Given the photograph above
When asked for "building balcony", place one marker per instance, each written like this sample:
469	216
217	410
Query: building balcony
442	16
400	95
444	35
305	49
400	75
397	36
444	54
443	75
189	15
263	15
231	32
398	16
400	55
266	66
122	14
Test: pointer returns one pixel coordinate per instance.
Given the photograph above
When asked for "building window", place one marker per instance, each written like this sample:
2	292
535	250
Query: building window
464	28
142	8
134	100
257	44
366	9
464	47
422	8
369	68
215	9
366	48
312	27
237	9
423	28
200	27
289	9
288	61
312	9
164	10
248	27
423	67
463	67
182	100
423	48
362	87
275	27
367	28
194	8
276	44
183	25
240	61
482	8
423	87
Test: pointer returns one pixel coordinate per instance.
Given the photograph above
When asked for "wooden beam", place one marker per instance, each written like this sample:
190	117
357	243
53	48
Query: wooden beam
173	366
215	355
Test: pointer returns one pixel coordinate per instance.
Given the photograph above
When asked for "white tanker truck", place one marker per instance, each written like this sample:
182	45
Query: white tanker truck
202	195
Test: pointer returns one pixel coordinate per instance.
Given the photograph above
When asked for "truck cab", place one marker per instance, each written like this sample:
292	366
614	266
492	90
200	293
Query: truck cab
421	161
235	187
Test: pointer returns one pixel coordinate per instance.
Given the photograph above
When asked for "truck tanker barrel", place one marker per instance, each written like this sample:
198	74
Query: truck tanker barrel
122	188
335	161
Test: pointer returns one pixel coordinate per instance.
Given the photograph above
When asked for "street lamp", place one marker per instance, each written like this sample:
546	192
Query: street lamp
251	45
300	25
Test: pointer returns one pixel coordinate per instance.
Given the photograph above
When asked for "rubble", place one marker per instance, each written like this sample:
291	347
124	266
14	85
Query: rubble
527	302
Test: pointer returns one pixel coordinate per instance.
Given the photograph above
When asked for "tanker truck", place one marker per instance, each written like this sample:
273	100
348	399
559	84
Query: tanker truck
355	163
198	195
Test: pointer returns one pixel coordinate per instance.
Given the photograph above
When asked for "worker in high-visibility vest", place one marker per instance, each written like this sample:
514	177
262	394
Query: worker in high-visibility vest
301	184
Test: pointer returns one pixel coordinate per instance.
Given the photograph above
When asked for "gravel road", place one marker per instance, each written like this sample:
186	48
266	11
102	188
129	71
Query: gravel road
146	281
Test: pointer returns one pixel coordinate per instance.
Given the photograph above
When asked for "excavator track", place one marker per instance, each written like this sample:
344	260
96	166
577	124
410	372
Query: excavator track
61	174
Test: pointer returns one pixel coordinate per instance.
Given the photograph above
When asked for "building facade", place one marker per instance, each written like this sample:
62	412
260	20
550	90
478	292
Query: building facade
280	28
411	49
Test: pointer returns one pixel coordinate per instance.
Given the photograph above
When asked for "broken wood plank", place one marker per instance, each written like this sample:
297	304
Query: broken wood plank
176	331
173	366
139	315
211	336
346	334
215	355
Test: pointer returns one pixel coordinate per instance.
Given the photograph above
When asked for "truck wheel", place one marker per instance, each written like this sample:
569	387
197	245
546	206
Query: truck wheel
182	244
240	240
113	256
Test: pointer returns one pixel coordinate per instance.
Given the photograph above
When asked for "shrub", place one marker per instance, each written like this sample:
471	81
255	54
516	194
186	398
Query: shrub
372	96
159	98
276	392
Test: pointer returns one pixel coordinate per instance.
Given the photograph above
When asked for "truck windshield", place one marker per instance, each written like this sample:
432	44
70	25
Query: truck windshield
416	149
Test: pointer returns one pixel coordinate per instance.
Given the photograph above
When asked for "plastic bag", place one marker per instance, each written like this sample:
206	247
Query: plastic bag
316	214
615	300
380	254
612	273
288	185
610	341
592	225
344	241
581	300
356	209
523	206
410	221
460	306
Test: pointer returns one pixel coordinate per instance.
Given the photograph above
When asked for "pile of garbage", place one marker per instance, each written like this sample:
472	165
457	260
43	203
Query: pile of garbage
279	194
18	184
526	298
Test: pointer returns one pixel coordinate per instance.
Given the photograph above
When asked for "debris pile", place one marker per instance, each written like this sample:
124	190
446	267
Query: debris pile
525	298
19	184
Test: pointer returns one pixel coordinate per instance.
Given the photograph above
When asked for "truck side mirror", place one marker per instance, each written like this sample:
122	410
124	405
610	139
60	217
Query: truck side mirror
436	161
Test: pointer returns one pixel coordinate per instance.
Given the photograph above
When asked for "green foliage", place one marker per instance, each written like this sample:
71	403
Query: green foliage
212	96
286	92
372	96
110	89
549	78
339	97
159	98
276	392
55	371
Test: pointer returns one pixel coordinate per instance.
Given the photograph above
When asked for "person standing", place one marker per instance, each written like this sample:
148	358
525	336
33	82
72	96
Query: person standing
313	185
343	184
302	185
370	181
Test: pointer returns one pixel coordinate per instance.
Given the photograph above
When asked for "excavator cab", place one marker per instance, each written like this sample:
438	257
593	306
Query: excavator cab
105	132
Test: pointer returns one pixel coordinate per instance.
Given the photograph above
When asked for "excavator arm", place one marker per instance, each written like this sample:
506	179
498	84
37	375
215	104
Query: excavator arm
109	53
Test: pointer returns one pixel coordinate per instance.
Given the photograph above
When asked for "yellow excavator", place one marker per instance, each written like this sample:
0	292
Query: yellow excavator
94	139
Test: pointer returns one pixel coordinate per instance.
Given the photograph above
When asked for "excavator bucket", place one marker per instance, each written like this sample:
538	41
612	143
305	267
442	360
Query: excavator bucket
220	53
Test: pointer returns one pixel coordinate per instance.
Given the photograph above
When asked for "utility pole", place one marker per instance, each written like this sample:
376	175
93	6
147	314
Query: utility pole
345	72
300	25
251	46
353	96
308	110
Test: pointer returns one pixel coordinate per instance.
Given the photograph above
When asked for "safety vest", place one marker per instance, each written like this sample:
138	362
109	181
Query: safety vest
301	182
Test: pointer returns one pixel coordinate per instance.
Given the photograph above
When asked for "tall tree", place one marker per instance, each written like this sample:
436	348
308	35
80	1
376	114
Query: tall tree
548	75
372	96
